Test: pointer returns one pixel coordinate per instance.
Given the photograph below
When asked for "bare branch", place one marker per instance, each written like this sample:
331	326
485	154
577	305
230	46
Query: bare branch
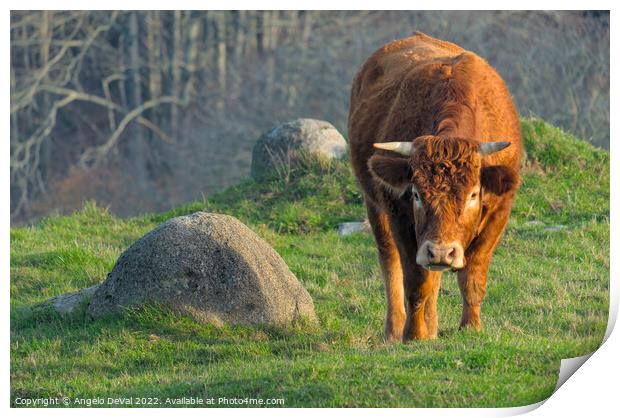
94	155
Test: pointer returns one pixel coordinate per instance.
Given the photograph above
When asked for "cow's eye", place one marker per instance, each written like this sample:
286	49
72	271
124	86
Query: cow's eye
473	196
416	196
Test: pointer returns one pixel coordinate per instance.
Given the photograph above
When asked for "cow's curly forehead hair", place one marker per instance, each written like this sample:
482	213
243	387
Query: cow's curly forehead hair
443	168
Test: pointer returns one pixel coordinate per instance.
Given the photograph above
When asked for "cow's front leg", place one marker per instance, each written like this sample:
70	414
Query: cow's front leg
473	284
420	287
393	279
430	308
389	259
473	278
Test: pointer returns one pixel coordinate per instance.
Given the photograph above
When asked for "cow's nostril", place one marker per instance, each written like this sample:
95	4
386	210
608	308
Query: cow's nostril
450	254
431	254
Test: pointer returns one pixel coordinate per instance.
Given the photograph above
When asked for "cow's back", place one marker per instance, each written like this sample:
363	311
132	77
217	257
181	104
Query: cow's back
395	97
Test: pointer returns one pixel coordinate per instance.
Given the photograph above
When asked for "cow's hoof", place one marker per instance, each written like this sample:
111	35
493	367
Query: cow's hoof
392	337
393	330
469	325
419	336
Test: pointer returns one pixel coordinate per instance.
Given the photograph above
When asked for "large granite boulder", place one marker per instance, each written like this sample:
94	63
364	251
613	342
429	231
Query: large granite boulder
209	266
286	145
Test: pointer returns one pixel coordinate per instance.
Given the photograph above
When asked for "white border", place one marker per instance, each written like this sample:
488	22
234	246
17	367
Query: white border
593	390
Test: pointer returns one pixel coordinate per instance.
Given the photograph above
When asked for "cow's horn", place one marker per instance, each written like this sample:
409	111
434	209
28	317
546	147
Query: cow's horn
403	148
488	148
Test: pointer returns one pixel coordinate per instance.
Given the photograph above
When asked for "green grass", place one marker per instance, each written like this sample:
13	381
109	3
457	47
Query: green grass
547	299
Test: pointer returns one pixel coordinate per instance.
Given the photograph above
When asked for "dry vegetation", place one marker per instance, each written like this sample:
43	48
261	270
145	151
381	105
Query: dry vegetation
144	110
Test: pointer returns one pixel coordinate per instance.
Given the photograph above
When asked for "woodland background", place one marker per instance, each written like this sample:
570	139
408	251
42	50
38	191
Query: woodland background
144	110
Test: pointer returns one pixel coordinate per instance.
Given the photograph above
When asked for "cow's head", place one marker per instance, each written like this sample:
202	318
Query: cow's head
446	179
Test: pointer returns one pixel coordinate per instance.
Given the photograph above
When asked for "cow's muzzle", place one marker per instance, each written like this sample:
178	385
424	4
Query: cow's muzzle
440	256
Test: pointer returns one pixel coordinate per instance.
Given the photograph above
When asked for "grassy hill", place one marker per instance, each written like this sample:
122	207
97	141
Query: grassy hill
547	299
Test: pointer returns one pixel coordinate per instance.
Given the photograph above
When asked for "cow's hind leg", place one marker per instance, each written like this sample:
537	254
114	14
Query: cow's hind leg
392	273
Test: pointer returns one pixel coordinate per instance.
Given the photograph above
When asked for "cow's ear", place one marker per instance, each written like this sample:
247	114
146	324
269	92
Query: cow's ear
499	179
393	173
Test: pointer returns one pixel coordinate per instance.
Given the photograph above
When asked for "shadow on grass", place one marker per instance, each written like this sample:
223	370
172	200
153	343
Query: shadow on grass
139	344
157	325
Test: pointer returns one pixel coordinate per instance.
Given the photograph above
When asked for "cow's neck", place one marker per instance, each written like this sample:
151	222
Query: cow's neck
455	120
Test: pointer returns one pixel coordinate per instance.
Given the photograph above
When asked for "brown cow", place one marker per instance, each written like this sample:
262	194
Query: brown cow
435	143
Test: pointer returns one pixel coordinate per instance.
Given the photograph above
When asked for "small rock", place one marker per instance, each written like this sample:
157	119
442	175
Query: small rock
285	146
348	228
555	228
534	223
68	302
